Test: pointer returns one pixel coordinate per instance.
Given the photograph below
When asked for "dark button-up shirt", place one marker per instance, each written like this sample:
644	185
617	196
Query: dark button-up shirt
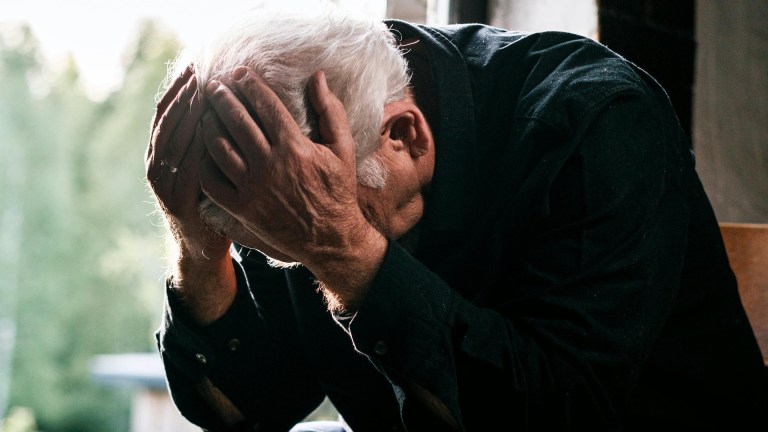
569	272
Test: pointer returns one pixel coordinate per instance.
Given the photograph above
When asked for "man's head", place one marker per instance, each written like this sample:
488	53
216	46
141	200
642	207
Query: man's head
360	58
364	69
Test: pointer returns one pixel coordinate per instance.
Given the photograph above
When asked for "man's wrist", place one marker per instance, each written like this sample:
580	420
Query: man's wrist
346	277
205	288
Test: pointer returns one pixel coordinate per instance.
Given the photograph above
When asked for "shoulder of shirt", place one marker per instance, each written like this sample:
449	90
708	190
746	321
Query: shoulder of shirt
562	77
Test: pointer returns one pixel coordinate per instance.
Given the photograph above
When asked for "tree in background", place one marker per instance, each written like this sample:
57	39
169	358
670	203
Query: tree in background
80	259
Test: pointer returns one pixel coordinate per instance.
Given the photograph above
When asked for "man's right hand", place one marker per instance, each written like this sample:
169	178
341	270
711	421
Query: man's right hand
203	275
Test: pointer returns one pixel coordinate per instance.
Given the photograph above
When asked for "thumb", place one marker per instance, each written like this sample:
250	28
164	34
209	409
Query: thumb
332	119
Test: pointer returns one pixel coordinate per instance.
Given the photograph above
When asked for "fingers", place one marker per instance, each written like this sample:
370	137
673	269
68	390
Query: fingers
179	143
332	119
215	184
186	179
279	126
171	92
176	147
173	132
239	142
223	152
252	145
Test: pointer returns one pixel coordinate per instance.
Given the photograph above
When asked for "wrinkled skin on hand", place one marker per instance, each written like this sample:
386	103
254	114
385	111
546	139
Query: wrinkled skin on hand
201	267
298	196
172	162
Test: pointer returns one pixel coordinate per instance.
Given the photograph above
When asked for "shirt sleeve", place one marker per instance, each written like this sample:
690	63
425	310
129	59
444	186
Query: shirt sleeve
248	354
572	306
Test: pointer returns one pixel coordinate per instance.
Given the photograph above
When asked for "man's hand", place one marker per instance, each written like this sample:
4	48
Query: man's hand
298	196
204	272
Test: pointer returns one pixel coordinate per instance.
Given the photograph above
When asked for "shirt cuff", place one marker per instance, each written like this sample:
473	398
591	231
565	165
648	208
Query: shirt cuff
404	319
194	350
405	328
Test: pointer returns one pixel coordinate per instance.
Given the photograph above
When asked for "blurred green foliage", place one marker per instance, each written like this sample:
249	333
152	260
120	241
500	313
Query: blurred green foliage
80	250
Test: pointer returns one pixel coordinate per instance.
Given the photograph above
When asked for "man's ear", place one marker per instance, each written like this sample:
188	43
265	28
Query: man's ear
405	127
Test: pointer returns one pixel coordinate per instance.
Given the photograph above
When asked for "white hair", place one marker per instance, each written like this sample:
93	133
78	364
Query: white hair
362	63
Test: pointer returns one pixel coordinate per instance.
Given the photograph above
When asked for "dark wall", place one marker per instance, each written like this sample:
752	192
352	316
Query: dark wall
469	11
658	36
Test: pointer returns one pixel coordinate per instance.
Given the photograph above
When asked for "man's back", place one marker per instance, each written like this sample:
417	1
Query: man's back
594	236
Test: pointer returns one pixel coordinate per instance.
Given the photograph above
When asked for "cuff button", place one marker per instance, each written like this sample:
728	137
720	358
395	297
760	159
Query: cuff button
234	344
380	347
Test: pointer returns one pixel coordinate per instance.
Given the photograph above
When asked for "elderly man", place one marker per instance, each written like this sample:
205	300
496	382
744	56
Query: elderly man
439	228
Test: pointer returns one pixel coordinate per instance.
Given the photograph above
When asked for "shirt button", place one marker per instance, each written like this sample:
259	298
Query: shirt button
380	347
234	344
201	358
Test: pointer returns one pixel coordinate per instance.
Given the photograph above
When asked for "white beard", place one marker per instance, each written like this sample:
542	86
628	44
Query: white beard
226	224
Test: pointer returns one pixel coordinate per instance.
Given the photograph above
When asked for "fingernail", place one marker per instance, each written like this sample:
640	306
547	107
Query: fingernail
323	81
239	73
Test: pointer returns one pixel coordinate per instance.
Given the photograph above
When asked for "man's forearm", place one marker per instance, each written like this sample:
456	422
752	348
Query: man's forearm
205	288
346	278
